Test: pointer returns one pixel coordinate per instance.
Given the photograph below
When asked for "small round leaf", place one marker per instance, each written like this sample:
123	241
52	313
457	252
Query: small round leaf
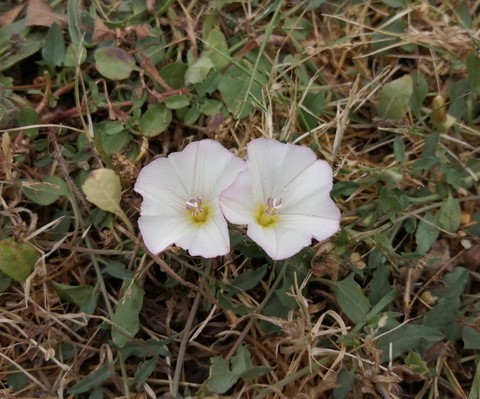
155	120
114	63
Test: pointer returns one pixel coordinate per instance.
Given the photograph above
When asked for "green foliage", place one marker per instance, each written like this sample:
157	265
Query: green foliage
406	338
17	259
53	50
415	363
345	382
77	295
155	120
46	192
438	323
238	94
114	63
394	98
351	299
94	379
224	374
126	321
475	391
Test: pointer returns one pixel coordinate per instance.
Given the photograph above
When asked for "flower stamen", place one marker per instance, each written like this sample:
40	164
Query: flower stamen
273	205
267	214
195	209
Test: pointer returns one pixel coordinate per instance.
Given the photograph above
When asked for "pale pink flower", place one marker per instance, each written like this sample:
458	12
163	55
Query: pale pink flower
283	196
181	199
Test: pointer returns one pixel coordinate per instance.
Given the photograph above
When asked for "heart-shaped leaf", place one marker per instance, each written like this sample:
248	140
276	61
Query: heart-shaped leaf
103	188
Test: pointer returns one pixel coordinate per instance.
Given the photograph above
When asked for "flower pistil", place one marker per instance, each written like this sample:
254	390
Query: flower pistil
197	211
267	214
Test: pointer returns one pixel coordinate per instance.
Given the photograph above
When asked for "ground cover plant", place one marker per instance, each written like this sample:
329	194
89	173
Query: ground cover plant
384	91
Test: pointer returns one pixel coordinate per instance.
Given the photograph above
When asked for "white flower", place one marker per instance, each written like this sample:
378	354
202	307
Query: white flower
283	196
181	199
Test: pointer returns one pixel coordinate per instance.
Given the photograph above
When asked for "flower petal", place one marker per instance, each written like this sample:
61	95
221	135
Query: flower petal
275	165
161	188
309	193
278	243
161	232
207	168
236	202
291	235
209	239
319	228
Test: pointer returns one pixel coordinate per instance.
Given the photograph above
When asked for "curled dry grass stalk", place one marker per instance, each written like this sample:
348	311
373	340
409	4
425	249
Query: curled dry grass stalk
349	56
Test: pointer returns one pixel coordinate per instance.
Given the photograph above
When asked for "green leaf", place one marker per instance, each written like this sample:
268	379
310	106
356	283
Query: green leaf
94	379
209	107
142	348
415	363
426	234
126	321
16	379
53	51
221	378
399	150
471	338
103	189
174	74
198	71
177	102
449	215
114	63
442	316
379	285
5	281
27	117
395	3
394	98
46	192
420	91
217	49
407	338
144	371
473	69
117	269
75	294
234	85
224	375
454	284
351	299
17	259
344	384
312	106
74	56
74	10
313	4
475	391
249	280
14	51
155	120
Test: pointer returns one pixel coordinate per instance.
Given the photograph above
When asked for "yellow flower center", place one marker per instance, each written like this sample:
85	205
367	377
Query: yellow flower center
196	211
267	214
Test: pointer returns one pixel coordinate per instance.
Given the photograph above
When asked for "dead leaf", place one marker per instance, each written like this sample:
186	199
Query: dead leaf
150	70
472	258
39	13
8	17
101	32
